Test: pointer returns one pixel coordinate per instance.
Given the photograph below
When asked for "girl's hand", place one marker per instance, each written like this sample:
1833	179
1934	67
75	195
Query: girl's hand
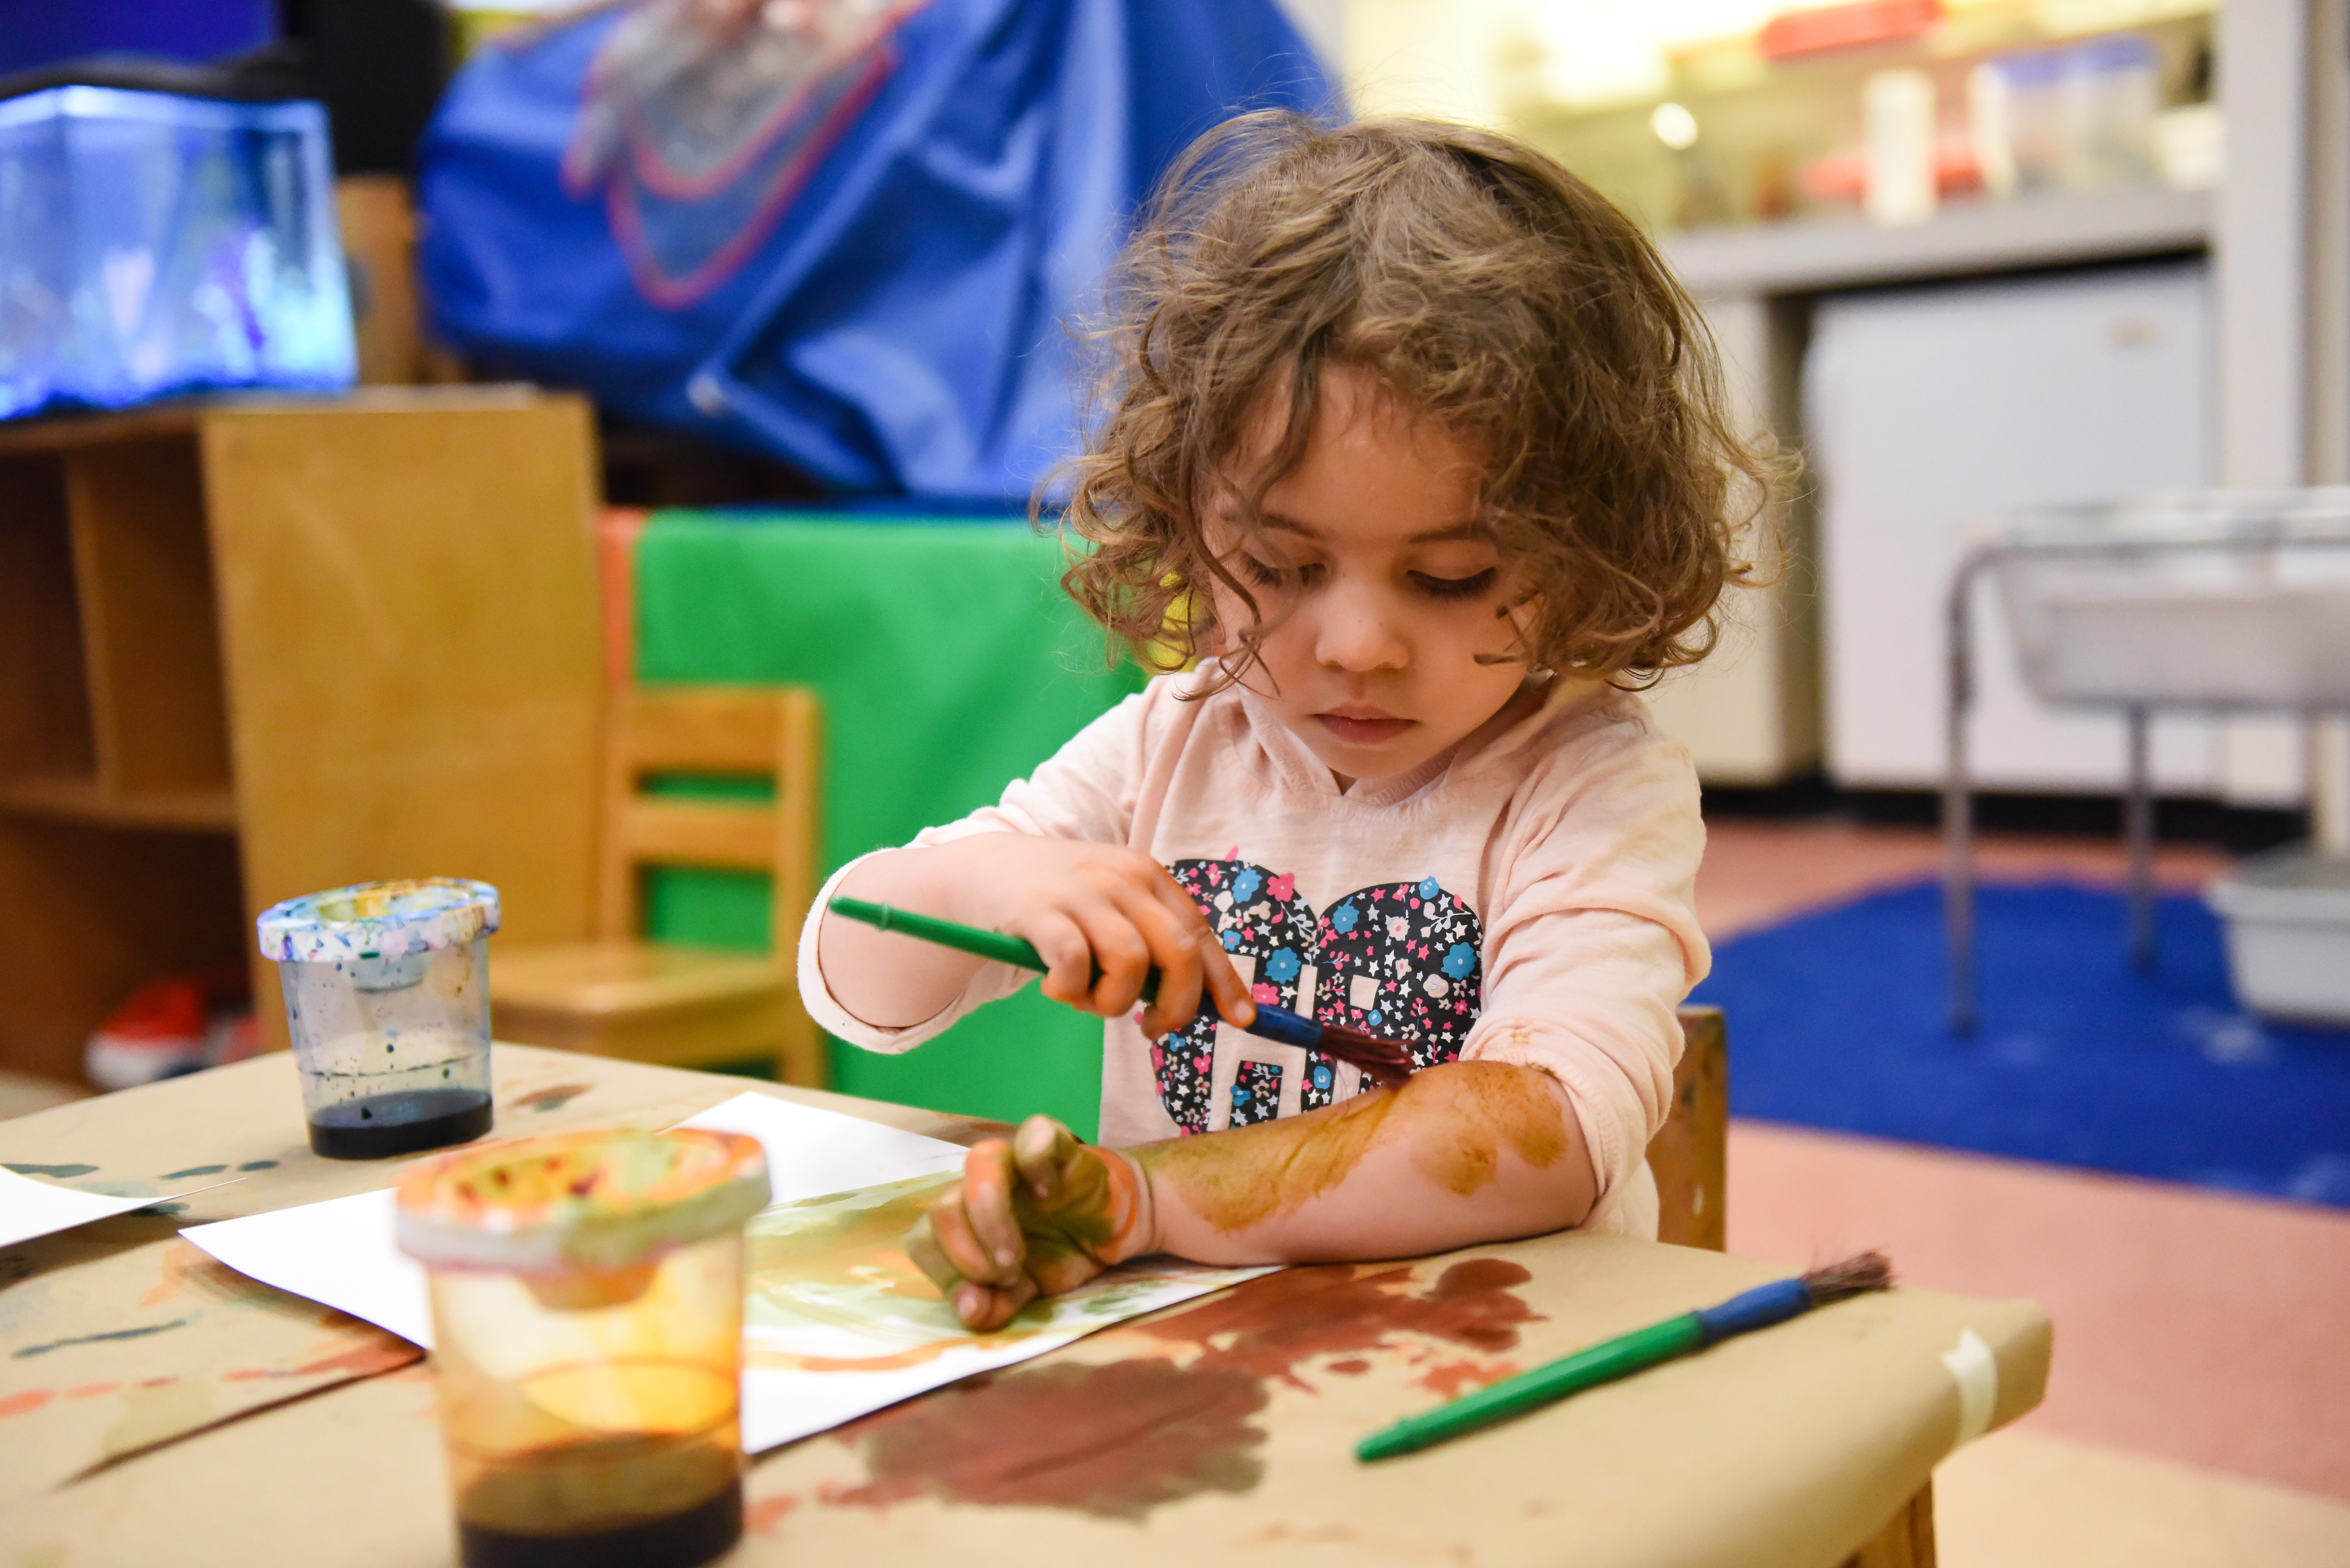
1036	1215
1101	916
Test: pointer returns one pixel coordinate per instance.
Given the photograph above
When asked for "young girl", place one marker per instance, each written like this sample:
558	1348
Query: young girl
1412	439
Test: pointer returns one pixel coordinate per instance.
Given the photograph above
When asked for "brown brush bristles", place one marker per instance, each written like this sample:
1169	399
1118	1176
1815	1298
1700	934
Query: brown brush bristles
1481	286
1854	1276
1388	1061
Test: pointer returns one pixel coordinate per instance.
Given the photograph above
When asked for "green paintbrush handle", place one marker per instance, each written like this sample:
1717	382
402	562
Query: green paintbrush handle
1014	951
952	934
1604	1363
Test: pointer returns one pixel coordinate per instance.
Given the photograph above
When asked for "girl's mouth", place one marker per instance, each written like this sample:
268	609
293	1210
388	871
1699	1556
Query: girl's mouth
1362	727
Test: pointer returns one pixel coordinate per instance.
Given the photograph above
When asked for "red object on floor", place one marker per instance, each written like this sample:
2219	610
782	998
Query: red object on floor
175	1025
1822	27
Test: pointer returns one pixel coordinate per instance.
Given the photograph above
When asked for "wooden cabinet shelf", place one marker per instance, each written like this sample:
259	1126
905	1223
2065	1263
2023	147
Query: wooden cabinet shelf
252	648
81	800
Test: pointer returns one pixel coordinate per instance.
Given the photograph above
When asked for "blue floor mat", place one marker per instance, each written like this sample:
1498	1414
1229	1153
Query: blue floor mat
1838	1020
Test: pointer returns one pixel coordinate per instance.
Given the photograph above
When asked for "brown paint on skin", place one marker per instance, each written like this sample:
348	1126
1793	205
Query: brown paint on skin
551	1099
764	1513
1458	1118
1114	1440
1122	1437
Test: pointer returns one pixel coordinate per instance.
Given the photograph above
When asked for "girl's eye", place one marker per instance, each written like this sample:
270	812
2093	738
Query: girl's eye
1272	577
1468	587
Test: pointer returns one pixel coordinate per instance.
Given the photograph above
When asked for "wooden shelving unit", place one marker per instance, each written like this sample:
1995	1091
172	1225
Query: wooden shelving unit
250	648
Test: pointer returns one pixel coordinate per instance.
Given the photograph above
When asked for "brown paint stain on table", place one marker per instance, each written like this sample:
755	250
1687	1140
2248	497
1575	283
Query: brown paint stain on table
1121	1437
1115	1439
552	1098
1267	1326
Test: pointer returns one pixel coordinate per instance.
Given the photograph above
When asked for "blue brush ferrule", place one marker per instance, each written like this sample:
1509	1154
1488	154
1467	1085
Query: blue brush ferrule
1288	1028
1758	1308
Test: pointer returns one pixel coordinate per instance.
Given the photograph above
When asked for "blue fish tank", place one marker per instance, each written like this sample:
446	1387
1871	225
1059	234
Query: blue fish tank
153	245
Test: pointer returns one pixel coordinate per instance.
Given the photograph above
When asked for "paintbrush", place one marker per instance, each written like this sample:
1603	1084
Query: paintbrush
1386	1061
1629	1353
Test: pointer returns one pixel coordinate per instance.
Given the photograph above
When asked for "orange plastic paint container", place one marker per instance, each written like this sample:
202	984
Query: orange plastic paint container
588	1327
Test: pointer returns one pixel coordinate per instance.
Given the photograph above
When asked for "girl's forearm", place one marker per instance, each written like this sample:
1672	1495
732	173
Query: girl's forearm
1469	1152
886	981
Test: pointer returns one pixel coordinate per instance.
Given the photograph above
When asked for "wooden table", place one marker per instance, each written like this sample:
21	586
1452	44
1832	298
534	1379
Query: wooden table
156	1408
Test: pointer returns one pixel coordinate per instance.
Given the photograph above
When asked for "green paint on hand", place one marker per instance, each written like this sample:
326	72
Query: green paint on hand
61	1172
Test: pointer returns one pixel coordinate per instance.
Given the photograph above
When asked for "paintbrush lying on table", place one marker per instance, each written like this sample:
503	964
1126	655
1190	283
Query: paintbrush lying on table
1384	1061
1629	1353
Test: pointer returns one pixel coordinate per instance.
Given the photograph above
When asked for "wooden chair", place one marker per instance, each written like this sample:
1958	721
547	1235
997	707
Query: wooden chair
1689	1155
622	996
1690	1159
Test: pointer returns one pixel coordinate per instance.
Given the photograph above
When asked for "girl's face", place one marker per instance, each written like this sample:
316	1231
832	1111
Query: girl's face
1379	585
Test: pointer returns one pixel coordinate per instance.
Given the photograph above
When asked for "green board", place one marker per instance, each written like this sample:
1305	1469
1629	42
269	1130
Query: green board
949	663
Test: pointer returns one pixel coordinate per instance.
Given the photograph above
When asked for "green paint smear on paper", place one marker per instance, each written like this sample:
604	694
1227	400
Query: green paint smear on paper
62	1173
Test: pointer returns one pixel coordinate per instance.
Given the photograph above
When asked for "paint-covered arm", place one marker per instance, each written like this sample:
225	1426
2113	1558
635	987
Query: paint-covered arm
1469	1152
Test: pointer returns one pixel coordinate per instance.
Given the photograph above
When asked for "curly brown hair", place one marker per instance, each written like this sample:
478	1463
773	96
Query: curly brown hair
1481	285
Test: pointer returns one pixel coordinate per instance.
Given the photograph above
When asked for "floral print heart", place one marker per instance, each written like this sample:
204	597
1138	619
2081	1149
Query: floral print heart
1399	959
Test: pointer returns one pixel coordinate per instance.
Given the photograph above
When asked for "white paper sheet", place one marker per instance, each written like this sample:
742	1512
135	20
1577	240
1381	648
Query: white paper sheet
342	1253
30	1208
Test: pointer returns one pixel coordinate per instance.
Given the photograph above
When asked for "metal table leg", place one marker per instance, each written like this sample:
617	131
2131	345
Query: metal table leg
1958	805
2138	822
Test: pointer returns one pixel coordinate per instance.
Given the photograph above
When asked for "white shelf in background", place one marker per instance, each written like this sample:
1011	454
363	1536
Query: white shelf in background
1991	236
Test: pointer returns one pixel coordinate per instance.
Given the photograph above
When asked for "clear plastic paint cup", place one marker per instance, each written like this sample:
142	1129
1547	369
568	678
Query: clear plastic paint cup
387	999
588	1338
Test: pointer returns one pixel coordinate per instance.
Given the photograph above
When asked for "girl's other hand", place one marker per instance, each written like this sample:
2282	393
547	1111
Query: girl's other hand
1035	1215
1101	916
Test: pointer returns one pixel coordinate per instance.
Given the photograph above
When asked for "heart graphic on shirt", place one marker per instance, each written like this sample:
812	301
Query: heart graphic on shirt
1399	958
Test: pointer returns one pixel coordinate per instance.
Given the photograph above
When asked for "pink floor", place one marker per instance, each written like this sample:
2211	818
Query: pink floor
2190	1325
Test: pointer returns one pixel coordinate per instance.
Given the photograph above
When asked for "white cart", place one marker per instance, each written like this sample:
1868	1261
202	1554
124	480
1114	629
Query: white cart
2216	601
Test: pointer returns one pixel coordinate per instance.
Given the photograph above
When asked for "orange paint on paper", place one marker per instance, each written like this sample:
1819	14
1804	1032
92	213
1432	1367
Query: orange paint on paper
764	1513
25	1403
91	1390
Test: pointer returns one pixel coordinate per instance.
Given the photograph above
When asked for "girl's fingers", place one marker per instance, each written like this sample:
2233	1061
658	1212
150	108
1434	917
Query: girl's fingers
1176	956
1042	1151
1069	958
984	1307
1122	956
1218	978
985	1209
963	1253
1223	983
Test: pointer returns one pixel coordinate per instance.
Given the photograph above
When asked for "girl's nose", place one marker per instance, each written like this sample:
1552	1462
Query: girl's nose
1356	629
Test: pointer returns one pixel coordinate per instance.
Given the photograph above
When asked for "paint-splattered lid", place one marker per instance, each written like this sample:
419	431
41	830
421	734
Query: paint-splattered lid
379	920
603	1199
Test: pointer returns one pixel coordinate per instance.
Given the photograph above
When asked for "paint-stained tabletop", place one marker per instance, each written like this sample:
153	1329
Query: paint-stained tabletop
157	1407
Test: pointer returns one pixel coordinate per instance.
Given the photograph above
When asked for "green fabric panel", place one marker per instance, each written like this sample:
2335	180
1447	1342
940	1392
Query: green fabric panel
949	663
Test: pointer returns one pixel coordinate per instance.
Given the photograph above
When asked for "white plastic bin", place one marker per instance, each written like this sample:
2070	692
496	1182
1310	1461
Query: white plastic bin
2288	920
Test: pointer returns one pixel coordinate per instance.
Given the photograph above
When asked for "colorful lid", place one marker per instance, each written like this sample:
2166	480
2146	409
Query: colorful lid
379	920
603	1200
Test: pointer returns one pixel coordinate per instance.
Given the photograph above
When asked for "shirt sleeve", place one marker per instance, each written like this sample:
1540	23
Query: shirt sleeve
1084	792
1594	942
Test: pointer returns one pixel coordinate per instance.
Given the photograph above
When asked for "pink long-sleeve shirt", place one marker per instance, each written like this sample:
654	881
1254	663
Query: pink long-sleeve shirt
1525	896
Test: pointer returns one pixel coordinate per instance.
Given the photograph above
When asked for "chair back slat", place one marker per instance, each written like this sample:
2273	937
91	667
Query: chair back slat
772	731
